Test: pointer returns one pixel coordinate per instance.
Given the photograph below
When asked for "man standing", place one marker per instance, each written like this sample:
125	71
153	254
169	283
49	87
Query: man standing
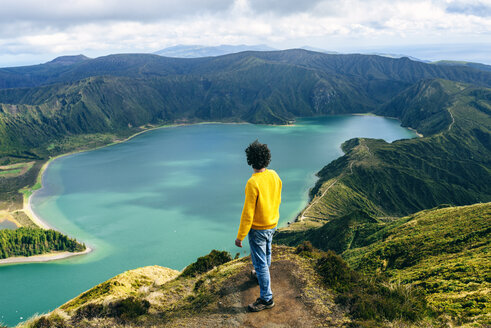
259	219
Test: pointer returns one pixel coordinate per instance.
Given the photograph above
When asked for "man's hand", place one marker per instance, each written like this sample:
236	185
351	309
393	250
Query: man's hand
238	242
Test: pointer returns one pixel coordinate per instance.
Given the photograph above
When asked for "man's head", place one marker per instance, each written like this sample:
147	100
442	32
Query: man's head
258	155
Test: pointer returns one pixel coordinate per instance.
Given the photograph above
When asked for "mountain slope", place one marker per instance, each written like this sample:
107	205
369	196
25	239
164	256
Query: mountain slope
479	66
444	251
371	68
449	166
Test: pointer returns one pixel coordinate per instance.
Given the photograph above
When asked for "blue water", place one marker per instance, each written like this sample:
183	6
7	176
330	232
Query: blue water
167	197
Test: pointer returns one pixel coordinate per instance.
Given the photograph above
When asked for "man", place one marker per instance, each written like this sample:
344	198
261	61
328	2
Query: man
259	219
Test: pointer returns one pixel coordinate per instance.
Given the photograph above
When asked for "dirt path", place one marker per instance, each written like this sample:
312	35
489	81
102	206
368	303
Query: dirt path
453	121
238	292
289	311
304	215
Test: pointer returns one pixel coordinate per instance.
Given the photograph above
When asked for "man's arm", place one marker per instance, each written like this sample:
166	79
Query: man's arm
251	193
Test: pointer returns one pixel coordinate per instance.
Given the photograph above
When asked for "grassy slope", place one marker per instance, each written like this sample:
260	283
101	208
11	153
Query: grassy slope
445	251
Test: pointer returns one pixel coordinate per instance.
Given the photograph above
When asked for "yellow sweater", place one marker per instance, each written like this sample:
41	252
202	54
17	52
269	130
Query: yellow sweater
262	203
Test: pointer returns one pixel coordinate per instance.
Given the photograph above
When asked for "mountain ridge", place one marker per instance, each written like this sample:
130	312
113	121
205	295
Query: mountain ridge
256	87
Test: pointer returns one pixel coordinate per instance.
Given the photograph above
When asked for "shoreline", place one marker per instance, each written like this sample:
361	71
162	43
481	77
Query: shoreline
47	257
27	207
38	221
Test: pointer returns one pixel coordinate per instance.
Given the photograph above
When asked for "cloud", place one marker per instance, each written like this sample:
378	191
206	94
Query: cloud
475	8
86	11
283	6
46	28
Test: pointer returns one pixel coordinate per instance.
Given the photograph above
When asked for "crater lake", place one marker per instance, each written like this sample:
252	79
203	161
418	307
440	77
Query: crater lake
166	197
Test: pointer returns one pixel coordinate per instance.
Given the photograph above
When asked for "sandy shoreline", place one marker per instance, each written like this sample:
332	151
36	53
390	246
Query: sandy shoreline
27	207
34	218
43	257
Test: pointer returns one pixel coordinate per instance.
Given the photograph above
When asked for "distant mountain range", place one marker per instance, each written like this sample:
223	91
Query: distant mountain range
195	51
115	94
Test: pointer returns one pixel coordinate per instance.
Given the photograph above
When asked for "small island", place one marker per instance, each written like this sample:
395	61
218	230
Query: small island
26	244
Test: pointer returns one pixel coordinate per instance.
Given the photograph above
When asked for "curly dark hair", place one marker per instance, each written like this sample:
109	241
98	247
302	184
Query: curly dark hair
258	155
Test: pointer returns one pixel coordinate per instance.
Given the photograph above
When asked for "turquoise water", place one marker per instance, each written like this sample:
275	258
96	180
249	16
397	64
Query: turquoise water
167	197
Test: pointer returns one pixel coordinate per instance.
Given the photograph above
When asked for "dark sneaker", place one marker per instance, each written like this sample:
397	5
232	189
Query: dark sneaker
254	275
260	305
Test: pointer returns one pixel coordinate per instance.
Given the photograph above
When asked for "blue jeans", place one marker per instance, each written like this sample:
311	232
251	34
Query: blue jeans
260	243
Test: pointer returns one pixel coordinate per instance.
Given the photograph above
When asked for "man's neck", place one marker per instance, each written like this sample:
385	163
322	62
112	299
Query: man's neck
260	170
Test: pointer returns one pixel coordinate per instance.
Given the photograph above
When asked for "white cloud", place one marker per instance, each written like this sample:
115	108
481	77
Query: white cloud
50	28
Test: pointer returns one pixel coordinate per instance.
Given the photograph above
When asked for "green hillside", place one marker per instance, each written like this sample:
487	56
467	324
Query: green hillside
478	66
443	251
451	165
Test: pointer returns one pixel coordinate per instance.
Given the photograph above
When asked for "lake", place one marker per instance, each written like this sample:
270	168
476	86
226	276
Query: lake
167	197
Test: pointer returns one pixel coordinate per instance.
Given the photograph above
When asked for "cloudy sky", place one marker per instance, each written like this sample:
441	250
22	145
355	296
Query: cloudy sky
35	31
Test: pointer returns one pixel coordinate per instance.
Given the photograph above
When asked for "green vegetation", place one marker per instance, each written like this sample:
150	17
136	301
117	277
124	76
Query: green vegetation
207	262
14	171
442	252
478	66
33	241
53	321
370	299
124	309
348	231
445	251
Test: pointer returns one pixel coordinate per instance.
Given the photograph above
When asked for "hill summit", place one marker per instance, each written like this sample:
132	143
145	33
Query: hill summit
68	60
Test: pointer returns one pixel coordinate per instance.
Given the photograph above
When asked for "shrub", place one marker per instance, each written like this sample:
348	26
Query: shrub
128	308
335	272
305	249
89	311
369	299
54	321
206	263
